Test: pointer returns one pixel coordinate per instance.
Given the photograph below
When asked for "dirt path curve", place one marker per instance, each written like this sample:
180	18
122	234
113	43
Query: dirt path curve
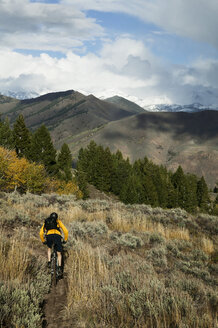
55	303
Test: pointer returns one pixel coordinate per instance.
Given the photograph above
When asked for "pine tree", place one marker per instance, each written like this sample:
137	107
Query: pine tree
149	194
117	159
203	195
43	151
191	196
64	162
145	170
96	158
121	170
22	137
6	135
142	182
180	184
103	169
172	196
131	191
81	162
159	178
82	183
215	206
90	161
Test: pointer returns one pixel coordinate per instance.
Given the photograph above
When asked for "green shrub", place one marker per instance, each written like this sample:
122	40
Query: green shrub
157	256
88	229
156	238
127	239
208	223
196	269
17	308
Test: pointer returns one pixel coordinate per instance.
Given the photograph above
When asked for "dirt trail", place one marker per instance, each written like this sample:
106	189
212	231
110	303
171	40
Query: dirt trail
56	300
54	306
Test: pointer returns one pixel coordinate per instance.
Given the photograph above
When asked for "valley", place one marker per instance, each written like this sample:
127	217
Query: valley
168	138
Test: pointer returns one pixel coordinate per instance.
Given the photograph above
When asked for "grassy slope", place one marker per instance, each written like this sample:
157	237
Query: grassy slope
128	266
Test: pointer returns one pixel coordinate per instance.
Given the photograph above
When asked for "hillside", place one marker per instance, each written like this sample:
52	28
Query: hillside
168	138
64	113
128	266
171	139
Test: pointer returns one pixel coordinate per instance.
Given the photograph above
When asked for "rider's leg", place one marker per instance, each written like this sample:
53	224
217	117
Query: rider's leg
59	258
49	254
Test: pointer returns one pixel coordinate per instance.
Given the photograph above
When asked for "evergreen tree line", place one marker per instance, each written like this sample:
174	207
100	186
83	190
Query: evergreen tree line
37	147
142	182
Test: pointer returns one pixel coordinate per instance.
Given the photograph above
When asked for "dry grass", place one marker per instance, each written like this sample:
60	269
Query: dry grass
86	271
127	292
207	245
14	258
164	280
141	223
23	282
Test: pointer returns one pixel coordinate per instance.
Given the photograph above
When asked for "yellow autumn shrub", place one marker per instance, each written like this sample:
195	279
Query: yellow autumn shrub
16	173
35	178
10	169
68	188
19	173
5	156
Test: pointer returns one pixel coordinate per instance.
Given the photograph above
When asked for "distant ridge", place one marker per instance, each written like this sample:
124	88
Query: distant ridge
65	113
49	96
6	99
126	104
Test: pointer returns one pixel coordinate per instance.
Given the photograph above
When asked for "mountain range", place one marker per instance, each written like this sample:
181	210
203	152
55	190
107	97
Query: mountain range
142	103
169	137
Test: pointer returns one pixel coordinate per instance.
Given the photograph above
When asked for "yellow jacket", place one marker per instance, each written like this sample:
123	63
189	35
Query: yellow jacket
43	232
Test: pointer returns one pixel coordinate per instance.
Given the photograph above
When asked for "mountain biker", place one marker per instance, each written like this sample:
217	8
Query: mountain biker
50	233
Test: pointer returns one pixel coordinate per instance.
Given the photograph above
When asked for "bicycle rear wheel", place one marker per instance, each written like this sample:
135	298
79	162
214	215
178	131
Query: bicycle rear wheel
53	267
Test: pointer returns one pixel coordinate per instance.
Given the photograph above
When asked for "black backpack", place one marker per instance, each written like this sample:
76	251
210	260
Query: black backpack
50	224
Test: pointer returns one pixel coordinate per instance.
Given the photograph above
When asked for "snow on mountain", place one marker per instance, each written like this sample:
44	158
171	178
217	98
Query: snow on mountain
151	104
148	101
179	108
158	104
20	94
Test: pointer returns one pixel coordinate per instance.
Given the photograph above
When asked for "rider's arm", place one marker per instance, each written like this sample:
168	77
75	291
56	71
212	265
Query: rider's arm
65	231
42	234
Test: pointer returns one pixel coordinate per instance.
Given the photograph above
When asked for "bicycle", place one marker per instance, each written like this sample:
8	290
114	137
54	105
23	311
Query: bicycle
54	263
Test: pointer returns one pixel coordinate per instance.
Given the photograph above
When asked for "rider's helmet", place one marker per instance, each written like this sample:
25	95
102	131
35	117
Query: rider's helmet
54	216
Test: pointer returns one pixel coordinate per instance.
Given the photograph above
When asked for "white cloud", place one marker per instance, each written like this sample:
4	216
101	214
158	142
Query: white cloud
55	27
196	19
126	66
87	72
65	25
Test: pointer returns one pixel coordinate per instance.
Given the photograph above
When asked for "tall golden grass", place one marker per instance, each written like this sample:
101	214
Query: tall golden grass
207	245
14	260
121	294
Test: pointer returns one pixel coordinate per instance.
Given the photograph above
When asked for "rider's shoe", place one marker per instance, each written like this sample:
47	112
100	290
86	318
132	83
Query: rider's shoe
49	265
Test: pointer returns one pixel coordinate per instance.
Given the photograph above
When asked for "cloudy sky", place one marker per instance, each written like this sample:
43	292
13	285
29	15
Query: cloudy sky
160	51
